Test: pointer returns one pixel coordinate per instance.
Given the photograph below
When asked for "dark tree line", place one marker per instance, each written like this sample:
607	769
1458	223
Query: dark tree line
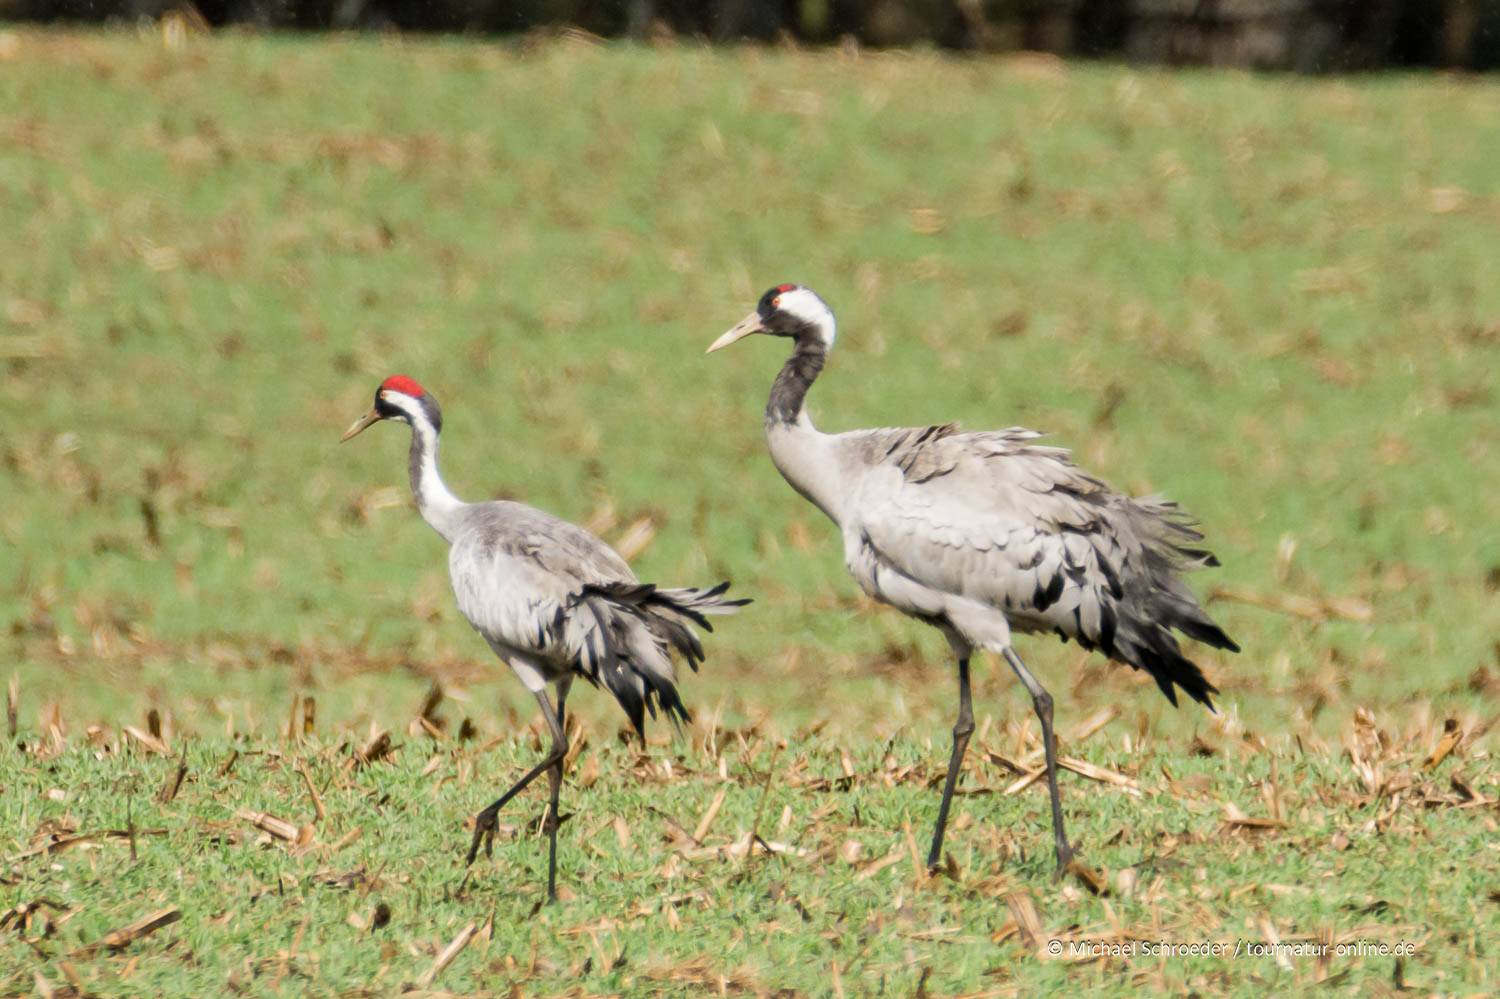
1310	35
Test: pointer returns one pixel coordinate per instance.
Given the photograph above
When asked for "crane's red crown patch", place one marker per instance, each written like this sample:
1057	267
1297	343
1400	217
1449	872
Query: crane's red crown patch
786	287
401	383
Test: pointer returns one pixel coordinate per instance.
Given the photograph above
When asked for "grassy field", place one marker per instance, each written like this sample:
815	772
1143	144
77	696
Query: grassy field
1276	300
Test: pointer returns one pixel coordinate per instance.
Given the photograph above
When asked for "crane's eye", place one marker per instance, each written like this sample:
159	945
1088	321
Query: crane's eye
776	302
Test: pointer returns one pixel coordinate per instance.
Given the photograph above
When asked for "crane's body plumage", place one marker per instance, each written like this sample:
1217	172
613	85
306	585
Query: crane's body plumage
552	600
517	573
986	534
555	602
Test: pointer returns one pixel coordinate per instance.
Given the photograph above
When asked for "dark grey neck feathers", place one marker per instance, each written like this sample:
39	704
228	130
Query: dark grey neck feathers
796	377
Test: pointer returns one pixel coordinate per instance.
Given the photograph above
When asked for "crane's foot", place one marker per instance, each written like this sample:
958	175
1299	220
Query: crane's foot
486	823
947	867
1066	858
1082	871
547	823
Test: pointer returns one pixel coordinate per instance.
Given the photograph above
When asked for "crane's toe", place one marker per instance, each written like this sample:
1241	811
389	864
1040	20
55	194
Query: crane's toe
1066	858
486	823
1081	870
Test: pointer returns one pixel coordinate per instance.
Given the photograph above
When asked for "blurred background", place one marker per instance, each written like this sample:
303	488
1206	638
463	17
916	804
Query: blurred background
1270	296
1305	35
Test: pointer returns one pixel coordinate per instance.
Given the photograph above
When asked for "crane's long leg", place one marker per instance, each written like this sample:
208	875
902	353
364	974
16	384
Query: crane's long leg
486	822
1042	702
962	729
554	780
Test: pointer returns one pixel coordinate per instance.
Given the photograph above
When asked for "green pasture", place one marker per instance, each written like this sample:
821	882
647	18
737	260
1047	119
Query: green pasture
1273	299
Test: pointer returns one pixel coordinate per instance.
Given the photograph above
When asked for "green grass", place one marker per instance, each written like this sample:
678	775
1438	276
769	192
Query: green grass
214	252
646	909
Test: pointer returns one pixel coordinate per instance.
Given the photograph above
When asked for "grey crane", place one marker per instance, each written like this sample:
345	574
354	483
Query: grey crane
552	600
985	534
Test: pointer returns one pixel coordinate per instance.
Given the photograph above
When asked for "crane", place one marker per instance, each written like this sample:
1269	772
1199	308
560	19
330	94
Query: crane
551	600
985	534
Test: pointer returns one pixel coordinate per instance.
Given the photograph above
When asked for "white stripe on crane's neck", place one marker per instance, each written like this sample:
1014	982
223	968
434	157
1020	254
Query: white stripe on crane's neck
435	501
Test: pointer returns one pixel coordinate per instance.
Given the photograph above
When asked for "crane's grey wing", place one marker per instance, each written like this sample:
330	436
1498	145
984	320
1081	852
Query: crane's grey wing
993	520
559	546
1003	535
521	607
519	575
548	624
549	593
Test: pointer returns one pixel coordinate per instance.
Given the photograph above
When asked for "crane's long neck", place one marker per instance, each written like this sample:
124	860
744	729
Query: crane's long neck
789	392
437	504
806	458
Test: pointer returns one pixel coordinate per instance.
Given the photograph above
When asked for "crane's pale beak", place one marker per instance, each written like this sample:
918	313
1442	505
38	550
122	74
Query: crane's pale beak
750	324
358	425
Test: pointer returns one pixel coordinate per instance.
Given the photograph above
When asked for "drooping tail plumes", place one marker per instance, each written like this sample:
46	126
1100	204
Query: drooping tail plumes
1153	649
635	627
1158	601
